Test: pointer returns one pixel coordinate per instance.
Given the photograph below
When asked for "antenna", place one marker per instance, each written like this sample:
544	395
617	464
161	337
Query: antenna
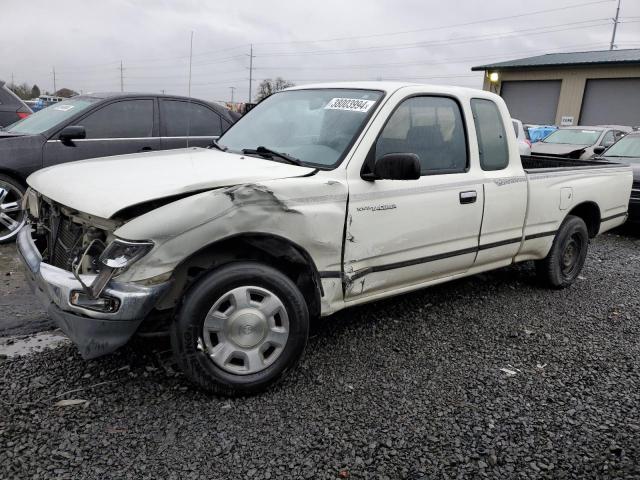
189	90
250	71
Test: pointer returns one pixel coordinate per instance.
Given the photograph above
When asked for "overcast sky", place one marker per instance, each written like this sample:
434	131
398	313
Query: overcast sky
427	41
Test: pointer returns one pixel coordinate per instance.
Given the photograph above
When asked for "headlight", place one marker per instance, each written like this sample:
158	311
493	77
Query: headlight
122	253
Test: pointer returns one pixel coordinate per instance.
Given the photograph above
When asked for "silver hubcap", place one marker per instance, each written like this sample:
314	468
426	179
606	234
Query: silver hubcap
246	330
12	217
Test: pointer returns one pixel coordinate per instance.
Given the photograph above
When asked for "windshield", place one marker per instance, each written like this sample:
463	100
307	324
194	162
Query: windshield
574	136
628	147
315	126
51	116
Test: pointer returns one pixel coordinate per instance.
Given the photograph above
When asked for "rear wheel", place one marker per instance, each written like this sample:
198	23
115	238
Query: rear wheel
12	217
240	329
568	253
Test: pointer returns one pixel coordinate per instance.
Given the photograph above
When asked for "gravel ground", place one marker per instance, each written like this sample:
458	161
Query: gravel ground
410	387
19	314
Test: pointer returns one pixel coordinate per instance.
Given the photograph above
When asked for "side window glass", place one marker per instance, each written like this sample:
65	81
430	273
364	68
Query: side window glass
183	118
492	138
125	119
608	139
430	127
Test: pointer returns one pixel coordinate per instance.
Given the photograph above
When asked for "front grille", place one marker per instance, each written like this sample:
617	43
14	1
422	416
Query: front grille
65	242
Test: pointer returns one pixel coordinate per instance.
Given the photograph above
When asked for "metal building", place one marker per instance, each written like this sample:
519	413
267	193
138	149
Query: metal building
581	88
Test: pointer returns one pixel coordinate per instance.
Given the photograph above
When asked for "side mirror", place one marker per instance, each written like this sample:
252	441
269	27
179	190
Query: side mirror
72	132
396	166
599	150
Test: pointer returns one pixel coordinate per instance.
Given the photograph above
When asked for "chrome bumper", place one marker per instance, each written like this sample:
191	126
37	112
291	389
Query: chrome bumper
95	333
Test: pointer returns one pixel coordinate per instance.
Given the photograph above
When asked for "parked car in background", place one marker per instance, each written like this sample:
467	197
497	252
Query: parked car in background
98	125
235	254
12	108
579	142
627	150
524	144
44	101
537	133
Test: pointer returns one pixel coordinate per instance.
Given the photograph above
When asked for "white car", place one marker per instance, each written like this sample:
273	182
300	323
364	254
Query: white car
320	198
524	144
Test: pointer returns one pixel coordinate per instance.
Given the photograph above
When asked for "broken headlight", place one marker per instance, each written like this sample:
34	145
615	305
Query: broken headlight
122	253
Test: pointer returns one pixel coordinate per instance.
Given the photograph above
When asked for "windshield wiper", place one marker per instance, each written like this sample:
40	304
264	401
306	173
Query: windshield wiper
268	153
215	144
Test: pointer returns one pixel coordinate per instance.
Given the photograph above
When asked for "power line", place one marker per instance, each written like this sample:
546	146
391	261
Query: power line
474	38
442	27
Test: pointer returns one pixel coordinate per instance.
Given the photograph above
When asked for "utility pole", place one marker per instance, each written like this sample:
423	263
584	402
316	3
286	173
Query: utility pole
54	81
233	89
190	60
250	72
12	80
615	27
121	78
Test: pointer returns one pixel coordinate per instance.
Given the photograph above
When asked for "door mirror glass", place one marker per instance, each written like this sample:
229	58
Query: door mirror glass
72	132
397	166
599	150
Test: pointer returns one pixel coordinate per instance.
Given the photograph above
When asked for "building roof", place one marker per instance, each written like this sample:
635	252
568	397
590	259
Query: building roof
550	60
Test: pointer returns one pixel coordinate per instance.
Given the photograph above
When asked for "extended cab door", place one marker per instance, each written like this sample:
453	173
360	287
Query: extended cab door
405	233
119	127
180	119
505	184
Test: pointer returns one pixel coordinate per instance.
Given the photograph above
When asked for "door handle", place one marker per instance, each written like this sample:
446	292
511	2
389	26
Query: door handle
145	149
469	196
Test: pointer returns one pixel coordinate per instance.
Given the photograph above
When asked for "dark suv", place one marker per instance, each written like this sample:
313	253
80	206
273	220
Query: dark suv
12	108
98	125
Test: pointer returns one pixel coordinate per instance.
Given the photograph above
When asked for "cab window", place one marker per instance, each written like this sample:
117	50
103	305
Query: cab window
431	128
492	139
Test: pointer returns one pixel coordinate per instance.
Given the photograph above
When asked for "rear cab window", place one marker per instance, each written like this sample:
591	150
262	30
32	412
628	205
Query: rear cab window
492	139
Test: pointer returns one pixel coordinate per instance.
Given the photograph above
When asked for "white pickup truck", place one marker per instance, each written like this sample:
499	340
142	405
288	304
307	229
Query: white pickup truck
322	197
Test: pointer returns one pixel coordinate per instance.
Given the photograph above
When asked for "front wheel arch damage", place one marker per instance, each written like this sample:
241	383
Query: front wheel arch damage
269	249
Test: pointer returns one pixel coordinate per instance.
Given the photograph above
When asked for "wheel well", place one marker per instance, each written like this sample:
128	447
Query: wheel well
590	213
275	251
13	176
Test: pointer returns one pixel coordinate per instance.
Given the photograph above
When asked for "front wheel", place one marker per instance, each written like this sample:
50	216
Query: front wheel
240	329
568	253
12	216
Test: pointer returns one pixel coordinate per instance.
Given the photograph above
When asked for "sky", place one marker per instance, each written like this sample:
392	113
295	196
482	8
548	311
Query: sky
423	41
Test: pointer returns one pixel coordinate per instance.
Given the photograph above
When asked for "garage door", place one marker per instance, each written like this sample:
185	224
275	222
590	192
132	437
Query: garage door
611	101
534	101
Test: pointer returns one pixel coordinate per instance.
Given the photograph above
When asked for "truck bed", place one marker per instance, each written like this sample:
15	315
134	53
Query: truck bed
540	163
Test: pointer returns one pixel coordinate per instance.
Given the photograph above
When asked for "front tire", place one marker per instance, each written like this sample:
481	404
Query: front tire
568	253
12	216
240	329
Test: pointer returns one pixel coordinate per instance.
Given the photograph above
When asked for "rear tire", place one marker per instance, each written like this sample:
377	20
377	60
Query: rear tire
568	253
240	329
12	217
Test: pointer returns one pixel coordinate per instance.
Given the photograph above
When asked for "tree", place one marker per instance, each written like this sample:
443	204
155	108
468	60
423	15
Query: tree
269	87
35	91
23	91
66	93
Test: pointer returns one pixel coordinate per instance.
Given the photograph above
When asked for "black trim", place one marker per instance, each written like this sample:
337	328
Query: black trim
606	219
441	256
330	274
540	235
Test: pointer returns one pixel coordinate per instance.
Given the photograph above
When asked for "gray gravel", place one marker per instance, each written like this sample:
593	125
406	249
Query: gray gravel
406	388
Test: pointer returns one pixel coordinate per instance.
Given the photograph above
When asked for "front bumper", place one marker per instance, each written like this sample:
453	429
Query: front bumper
94	333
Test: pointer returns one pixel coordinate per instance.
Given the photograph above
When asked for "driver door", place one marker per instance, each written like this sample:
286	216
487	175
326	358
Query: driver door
402	233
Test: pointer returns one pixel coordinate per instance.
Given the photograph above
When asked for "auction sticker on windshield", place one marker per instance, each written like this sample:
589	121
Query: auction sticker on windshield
350	104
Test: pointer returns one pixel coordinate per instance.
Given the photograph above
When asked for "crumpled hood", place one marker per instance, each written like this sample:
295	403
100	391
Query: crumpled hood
104	186
541	148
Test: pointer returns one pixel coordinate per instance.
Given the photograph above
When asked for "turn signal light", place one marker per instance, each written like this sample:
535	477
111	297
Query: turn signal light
101	304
